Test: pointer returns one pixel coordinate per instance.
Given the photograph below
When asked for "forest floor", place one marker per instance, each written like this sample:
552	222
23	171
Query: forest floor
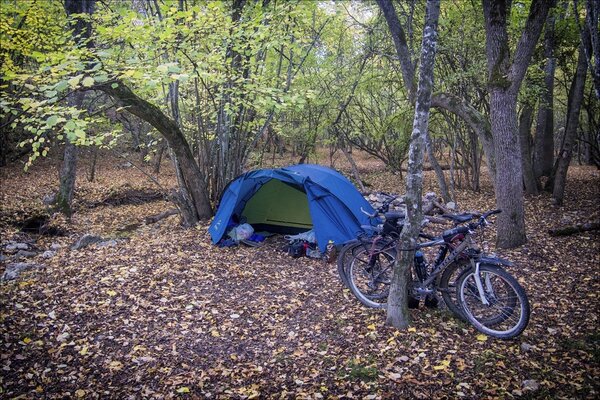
161	313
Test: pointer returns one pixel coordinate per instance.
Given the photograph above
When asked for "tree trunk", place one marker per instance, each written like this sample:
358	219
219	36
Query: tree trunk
573	109
68	173
193	178
397	311
439	173
505	75
525	122
82	30
544	131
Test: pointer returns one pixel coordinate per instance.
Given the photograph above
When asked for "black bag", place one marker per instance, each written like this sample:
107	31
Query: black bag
297	248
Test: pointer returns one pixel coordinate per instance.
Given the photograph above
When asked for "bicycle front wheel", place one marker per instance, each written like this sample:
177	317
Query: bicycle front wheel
447	287
500	309
369	273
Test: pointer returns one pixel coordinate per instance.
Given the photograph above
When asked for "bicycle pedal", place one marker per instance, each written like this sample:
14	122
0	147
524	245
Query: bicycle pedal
413	303
432	301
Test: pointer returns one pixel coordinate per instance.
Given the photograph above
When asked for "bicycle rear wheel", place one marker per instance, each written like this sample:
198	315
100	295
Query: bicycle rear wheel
344	258
369	273
447	287
507	313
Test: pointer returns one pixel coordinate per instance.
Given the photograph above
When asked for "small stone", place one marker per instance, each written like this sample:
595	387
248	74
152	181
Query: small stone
530	384
14	270
108	243
55	246
22	246
85	241
451	205
49	254
525	347
11	247
25	254
403	358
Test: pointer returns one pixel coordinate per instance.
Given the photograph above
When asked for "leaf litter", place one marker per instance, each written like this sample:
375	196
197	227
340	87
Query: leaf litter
164	314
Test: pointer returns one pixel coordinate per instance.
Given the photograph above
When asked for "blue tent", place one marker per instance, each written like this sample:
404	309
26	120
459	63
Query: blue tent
291	200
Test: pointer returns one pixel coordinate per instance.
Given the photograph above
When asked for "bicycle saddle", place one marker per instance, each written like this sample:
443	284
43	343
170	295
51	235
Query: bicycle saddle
394	215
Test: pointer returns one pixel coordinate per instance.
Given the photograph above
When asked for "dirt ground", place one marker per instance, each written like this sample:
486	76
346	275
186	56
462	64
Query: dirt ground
162	313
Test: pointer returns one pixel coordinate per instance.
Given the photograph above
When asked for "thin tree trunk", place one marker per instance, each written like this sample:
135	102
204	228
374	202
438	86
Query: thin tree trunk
354	168
544	132
397	311
82	30
574	107
439	173
525	122
68	174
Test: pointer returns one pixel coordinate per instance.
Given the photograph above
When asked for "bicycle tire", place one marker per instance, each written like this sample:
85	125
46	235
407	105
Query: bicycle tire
507	314
344	258
369	276
447	288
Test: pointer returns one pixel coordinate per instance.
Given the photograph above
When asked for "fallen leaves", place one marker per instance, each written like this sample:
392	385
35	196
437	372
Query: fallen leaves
165	314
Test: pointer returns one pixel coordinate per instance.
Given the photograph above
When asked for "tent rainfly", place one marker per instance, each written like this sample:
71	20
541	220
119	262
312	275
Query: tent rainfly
291	200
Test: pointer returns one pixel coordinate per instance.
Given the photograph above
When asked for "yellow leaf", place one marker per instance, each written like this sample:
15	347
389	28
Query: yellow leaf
215	333
412	329
111	293
443	365
83	351
481	337
26	340
371	327
116	365
80	393
183	389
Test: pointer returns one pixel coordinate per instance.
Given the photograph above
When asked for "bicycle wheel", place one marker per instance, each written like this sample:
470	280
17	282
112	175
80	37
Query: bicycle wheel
507	313
369	273
344	259
447	287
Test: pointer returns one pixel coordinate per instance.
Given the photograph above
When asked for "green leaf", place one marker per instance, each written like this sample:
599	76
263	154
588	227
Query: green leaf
101	78
50	93
114	85
52	121
74	81
60	86
88	81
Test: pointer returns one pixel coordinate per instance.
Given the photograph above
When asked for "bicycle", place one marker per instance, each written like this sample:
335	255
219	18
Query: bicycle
474	286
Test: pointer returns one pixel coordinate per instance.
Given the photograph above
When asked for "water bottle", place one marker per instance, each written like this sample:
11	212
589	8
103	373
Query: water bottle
420	265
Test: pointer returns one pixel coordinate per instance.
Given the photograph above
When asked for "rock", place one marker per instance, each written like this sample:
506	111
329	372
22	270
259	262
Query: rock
525	347
22	246
451	205
55	246
430	196
25	254
49	199
14	270
85	241
108	243
530	384
11	247
49	254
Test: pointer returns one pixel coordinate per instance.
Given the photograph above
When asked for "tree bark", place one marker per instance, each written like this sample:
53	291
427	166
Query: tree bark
439	172
544	131
525	122
397	311
82	31
68	174
193	179
504	80
575	99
